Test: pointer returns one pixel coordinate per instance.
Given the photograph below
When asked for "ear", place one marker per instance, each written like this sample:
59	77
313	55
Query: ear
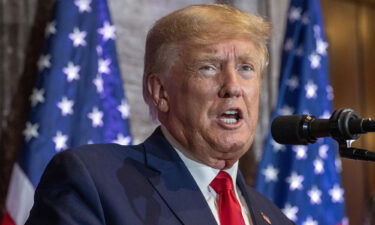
158	93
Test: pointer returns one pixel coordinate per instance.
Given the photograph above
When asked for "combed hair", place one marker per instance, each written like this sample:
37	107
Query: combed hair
199	25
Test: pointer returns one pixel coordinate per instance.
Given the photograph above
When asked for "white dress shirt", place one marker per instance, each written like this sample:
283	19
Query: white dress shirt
203	175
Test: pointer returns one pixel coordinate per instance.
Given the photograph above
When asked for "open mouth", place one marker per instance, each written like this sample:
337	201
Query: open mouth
231	116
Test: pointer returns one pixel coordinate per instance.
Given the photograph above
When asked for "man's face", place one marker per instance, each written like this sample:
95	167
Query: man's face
212	96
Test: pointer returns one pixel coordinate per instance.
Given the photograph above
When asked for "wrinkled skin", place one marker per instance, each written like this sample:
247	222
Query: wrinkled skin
202	84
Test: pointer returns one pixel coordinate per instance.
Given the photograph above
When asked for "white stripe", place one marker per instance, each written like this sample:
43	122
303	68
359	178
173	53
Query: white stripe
20	196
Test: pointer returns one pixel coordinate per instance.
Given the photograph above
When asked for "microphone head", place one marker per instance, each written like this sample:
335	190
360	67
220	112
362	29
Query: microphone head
291	130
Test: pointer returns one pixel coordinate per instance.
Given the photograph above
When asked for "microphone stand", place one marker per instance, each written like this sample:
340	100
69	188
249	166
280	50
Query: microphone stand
344	137
346	151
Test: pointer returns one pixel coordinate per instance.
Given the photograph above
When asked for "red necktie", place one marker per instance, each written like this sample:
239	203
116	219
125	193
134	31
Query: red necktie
229	208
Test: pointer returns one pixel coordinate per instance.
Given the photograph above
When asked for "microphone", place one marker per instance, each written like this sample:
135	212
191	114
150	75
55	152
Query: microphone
344	124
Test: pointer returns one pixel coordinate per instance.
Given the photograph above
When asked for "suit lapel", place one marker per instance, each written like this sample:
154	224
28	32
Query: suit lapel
257	216
174	182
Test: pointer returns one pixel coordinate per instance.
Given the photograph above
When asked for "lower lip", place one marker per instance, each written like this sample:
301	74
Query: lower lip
230	126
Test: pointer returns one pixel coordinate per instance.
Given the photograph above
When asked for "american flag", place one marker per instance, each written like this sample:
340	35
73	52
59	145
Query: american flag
304	181
78	97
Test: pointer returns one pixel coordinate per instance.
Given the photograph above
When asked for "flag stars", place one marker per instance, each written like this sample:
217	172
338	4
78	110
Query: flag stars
37	96
122	140
270	173
295	181
315	195
60	141
310	221
290	212
311	89
286	110
323	149
72	71
329	90
51	28
336	193
107	31
292	83
98	82
124	109
338	164
78	37
83	5
300	151
96	117
318	166
326	115
31	131
44	62
277	147
295	13
288	44
321	47
103	66
314	60
66	106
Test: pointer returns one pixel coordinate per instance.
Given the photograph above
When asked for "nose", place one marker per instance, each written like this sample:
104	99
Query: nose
231	85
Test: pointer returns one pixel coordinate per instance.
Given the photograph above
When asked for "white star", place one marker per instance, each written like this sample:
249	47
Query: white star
44	62
103	66
78	37
51	28
295	14
31	131
124	109
107	31
83	5
72	71
323	149
315	60
310	221
295	181
99	50
305	18
60	141
98	82
97	117
299	51
286	110
66	106
329	90
277	147
318	166
37	96
270	173
122	140
311	89
300	151
326	115
290	212
321	47
288	44
315	195
292	83
337	193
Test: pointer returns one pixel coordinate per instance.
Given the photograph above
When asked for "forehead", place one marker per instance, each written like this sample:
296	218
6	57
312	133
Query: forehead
237	48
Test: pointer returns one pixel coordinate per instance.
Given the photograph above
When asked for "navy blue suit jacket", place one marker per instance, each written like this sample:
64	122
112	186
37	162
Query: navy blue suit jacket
146	184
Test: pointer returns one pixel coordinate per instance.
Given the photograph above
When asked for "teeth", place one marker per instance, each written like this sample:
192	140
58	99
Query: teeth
231	112
228	120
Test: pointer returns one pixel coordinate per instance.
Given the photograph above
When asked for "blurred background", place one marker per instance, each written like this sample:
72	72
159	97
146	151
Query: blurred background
350	30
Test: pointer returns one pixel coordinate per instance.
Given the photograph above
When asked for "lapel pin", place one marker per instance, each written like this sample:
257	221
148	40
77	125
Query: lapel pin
266	218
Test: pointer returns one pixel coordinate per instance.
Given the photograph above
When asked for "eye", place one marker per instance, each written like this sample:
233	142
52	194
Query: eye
208	70
245	70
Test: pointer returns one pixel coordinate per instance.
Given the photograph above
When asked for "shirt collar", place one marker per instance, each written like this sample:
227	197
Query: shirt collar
202	174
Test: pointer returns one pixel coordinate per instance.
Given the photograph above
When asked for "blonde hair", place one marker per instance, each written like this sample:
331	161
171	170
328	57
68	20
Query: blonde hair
199	25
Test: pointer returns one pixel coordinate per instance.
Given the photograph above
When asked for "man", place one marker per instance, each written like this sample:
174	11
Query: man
203	67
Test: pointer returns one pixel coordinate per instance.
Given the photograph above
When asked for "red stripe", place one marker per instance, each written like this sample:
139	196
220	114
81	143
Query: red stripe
7	220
